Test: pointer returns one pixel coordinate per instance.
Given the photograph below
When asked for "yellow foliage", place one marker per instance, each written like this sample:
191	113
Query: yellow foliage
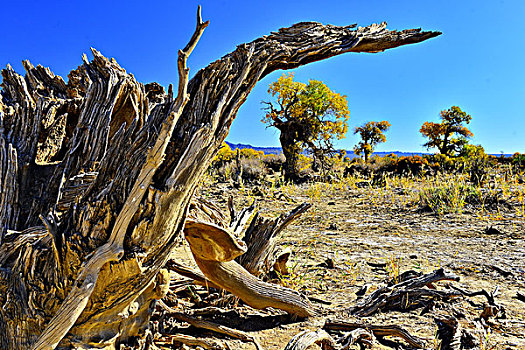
251	153
304	163
225	153
314	106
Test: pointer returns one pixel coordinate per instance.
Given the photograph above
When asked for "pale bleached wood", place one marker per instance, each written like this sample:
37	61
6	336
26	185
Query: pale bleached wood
396	297
210	325
234	278
191	341
305	339
376	330
214	247
261	237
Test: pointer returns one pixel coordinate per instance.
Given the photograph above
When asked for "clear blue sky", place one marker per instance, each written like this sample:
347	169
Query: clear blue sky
477	64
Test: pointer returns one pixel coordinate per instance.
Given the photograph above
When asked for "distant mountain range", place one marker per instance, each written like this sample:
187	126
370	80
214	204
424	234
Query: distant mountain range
349	154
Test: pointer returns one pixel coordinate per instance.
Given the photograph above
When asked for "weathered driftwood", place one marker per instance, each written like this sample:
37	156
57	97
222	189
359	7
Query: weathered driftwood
113	249
453	335
376	330
199	323
214	246
97	175
239	219
260	238
362	337
196	276
305	339
171	339
406	295
449	333
489	310
214	249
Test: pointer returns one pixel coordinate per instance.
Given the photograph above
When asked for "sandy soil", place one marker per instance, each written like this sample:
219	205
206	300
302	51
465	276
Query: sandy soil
372	235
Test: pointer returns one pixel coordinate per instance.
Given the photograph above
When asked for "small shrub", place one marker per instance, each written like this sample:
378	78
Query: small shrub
383	163
454	196
357	168
444	199
224	156
442	162
475	162
337	163
518	160
251	153
253	169
224	172
407	165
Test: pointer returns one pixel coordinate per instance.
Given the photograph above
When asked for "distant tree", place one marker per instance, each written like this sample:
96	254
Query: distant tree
450	135
371	134
308	116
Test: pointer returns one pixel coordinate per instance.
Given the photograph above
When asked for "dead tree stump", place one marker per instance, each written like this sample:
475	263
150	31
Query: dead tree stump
97	174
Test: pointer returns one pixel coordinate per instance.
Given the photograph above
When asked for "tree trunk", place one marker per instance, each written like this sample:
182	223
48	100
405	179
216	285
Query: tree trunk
367	155
97	175
291	155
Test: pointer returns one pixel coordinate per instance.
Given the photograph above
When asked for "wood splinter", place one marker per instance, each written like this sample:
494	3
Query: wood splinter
305	339
377	331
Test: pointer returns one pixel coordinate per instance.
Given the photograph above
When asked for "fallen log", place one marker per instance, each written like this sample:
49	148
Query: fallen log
305	339
360	336
207	344
409	294
170	312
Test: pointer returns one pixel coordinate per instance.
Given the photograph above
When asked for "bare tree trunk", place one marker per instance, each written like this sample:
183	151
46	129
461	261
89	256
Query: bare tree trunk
97	175
367	154
291	156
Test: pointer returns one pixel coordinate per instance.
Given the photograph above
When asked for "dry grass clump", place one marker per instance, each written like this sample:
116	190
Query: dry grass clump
252	169
472	181
449	198
457	194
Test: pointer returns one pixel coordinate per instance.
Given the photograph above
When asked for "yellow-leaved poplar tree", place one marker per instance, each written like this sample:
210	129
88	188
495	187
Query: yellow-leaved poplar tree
308	116
450	135
371	134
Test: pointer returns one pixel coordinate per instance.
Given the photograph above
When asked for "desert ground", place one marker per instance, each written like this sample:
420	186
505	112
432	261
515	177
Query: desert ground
357	237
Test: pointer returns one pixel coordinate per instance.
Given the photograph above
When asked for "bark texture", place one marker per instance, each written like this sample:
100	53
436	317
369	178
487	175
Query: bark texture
291	153
91	207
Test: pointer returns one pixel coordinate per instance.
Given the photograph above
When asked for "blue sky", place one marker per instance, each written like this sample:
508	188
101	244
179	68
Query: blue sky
477	64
